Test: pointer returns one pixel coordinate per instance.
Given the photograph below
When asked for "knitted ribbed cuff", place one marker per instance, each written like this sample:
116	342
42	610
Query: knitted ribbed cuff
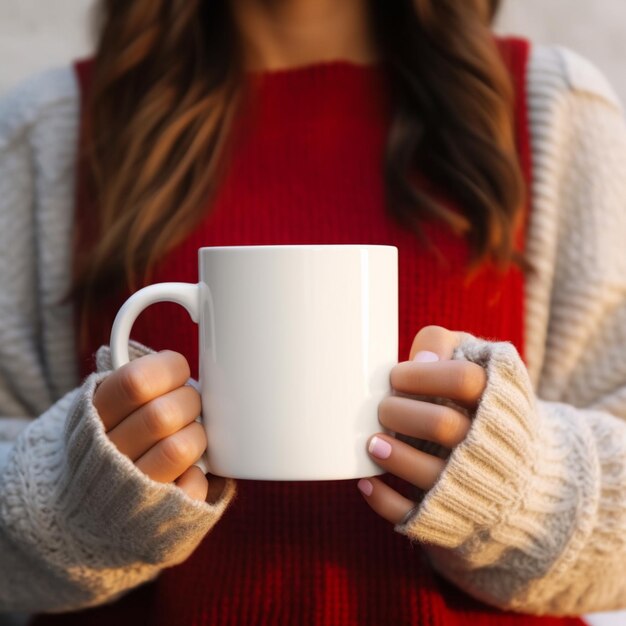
79	523
116	512
487	475
511	518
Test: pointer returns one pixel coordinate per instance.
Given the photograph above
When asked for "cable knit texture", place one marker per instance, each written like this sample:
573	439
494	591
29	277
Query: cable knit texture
530	512
73	505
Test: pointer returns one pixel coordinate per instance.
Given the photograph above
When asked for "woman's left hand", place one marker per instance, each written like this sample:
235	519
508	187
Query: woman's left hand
429	372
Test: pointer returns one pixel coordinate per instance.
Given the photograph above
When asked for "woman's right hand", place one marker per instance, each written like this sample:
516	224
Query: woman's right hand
149	413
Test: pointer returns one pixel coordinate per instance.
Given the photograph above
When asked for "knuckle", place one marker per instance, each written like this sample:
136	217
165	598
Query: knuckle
193	399
135	384
178	450
161	417
199	437
446	425
469	379
186	446
463	375
177	362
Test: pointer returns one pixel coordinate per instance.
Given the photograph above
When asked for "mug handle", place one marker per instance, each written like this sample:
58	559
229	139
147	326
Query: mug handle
185	294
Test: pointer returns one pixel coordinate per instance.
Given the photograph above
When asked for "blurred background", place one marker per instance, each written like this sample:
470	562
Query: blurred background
36	34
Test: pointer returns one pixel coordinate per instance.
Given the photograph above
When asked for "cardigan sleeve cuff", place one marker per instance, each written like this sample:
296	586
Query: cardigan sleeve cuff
80	524
126	511
530	500
175	523
489	474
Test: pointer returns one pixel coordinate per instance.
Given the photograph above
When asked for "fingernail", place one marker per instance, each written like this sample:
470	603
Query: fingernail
426	356
365	486
380	448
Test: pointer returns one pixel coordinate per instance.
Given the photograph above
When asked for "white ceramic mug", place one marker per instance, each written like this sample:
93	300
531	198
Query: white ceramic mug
296	346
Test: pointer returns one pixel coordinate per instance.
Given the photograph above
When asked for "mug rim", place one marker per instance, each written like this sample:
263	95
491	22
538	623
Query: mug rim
313	246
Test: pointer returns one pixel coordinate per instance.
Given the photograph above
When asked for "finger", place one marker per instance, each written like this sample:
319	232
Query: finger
194	483
434	341
401	459
387	502
171	457
423	420
462	381
138	382
156	420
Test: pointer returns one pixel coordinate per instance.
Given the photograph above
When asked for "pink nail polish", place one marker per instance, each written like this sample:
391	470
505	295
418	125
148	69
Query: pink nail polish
380	448
365	486
426	356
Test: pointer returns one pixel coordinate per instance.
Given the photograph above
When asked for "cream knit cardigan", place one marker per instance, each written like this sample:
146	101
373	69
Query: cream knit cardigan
530	512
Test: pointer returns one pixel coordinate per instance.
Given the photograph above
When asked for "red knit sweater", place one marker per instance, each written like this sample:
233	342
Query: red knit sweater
308	169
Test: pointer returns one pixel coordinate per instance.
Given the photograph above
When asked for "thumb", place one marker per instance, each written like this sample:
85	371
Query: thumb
434	343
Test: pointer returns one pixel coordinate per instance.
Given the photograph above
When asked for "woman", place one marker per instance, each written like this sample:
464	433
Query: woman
249	122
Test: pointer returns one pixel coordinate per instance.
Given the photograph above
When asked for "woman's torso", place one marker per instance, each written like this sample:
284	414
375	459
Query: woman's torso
309	170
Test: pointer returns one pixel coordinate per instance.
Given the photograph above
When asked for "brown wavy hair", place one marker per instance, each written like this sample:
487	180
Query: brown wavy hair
165	88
